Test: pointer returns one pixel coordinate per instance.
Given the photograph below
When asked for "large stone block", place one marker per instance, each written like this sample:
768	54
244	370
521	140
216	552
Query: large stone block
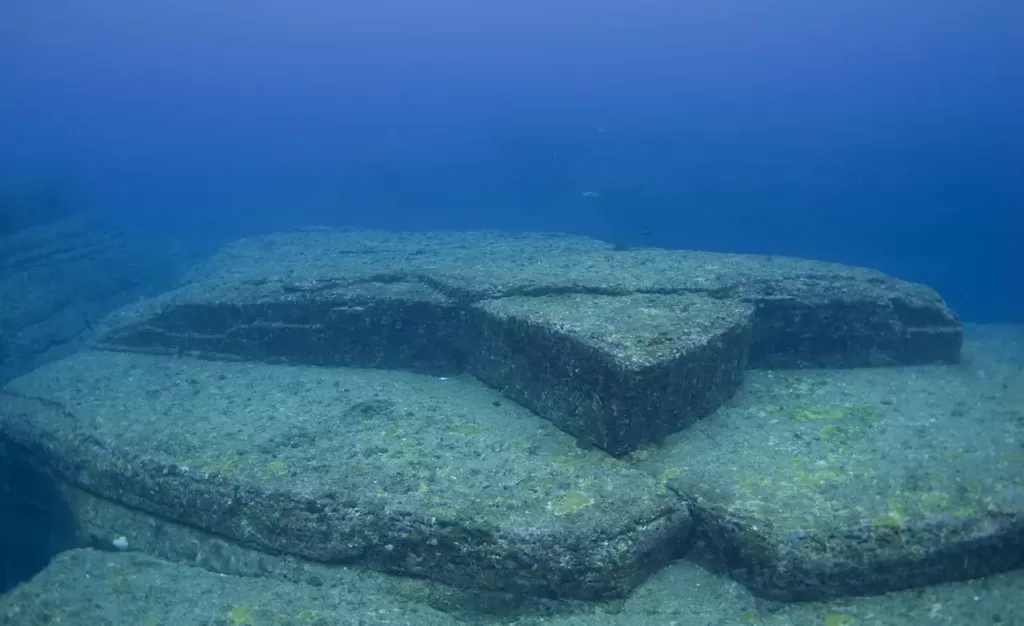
405	473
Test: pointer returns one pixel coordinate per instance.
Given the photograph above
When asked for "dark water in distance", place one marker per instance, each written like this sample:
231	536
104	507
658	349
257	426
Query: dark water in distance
881	134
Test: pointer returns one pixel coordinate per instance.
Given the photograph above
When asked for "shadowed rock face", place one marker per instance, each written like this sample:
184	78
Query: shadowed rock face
619	348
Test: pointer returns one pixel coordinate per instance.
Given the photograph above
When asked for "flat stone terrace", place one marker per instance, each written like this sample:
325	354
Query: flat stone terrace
617	347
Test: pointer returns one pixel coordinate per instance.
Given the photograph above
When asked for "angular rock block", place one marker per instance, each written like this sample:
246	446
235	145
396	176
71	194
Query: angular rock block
614	371
436	303
401	472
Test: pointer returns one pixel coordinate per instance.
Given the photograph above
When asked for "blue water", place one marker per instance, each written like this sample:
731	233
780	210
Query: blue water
882	134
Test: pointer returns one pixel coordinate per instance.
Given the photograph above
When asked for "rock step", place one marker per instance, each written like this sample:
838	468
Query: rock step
580	332
614	371
400	472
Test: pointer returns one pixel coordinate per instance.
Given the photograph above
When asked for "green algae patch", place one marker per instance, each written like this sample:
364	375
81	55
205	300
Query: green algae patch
570	503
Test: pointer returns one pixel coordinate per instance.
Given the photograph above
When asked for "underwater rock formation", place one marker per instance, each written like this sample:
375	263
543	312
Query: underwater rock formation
537	415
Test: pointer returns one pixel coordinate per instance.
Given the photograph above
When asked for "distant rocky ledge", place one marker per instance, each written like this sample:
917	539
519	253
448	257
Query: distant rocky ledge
617	347
30	203
59	278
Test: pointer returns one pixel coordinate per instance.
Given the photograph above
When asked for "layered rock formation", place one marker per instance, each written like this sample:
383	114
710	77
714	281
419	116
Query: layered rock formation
618	348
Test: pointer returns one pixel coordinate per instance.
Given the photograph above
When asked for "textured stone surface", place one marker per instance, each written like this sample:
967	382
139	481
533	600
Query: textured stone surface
436	302
820	484
401	472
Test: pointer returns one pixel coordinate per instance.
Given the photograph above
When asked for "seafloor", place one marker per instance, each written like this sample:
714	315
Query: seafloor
341	427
